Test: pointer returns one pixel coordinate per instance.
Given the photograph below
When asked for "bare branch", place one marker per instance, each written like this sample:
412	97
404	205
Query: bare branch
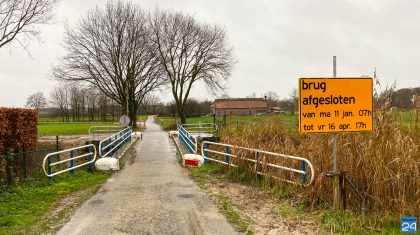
20	18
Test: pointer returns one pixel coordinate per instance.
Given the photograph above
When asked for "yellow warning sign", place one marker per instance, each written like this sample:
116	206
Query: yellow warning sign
335	105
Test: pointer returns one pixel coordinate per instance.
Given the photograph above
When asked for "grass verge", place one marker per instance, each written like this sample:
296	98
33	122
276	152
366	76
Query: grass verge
233	215
23	208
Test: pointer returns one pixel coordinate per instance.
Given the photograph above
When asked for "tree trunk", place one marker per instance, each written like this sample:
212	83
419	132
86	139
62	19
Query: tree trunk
181	113
83	108
132	110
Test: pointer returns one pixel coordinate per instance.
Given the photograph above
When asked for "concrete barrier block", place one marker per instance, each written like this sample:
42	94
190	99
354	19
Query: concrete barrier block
107	164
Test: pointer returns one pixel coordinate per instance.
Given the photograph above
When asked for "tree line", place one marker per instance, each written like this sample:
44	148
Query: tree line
404	98
74	103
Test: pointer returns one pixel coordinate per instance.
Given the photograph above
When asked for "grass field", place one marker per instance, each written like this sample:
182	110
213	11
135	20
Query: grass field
406	119
68	128
22	208
82	119
86	119
142	117
170	122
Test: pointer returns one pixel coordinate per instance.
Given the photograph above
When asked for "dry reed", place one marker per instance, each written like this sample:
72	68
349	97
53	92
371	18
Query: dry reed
384	164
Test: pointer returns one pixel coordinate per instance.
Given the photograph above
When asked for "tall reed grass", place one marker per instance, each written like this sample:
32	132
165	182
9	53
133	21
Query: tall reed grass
384	164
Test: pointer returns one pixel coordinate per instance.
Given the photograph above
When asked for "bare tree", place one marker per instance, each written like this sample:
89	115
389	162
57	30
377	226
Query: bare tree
192	108
189	52
37	101
272	98
21	17
172	109
110	50
91	97
293	101
150	103
60	98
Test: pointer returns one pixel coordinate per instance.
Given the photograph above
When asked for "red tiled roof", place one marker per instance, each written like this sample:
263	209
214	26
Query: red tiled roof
242	103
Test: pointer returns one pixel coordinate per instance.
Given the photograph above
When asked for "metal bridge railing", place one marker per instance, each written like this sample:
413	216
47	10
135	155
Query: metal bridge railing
189	140
104	129
82	160
109	145
258	155
200	127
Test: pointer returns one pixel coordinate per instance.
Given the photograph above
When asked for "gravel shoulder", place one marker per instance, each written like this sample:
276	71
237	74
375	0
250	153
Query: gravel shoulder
262	212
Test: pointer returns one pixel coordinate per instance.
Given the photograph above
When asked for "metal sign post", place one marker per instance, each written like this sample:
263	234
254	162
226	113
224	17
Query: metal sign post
335	105
336	175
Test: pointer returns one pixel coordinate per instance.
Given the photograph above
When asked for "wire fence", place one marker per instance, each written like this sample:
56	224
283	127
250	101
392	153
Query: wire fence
17	167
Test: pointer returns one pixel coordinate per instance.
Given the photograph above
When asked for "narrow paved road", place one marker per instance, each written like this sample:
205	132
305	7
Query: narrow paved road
154	195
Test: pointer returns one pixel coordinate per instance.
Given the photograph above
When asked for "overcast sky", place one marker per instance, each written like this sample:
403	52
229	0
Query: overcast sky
275	42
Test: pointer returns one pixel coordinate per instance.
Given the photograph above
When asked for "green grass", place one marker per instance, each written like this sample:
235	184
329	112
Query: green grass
67	128
205	172
232	215
22	208
344	222
170	122
142	117
86	119
82	119
406	119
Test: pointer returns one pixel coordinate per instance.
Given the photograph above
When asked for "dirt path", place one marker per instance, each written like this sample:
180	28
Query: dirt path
154	195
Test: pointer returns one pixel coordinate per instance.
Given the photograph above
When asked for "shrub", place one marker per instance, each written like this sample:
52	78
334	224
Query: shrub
18	127
18	130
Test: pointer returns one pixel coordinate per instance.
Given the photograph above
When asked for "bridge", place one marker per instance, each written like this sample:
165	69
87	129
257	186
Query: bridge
153	194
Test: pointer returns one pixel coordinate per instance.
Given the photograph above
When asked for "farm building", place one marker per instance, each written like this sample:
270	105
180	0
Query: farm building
239	106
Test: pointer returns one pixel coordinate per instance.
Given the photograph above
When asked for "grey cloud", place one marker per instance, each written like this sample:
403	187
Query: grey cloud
276	42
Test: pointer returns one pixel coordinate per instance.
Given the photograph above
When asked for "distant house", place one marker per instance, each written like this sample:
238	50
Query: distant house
239	106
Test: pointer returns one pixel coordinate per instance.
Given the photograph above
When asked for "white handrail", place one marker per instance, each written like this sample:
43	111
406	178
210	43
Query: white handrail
119	137
207	143
69	159
103	129
188	139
